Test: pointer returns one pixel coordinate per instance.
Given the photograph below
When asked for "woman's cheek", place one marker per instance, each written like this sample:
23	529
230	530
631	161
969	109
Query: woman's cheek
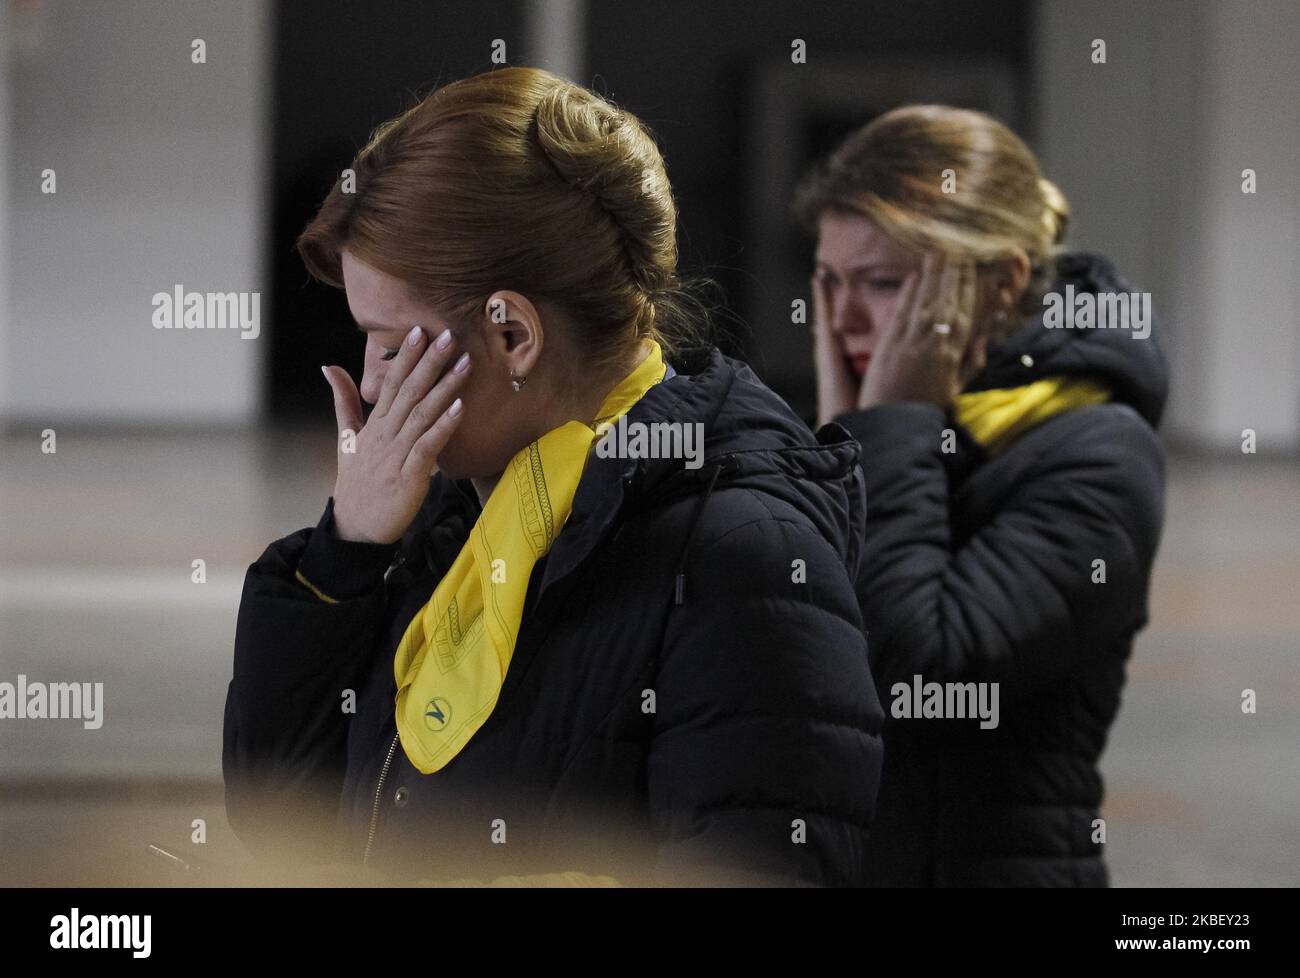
885	313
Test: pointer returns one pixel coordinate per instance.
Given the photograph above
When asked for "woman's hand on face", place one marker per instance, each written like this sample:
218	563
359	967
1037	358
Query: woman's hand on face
381	484
927	353
836	384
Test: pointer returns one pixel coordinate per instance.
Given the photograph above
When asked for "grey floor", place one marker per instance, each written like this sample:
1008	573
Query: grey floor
95	585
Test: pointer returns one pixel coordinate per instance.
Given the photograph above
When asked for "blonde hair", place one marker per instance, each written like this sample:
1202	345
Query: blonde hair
993	202
517	179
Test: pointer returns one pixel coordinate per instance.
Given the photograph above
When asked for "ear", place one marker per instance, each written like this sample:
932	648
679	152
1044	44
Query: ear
513	330
1003	284
1014	279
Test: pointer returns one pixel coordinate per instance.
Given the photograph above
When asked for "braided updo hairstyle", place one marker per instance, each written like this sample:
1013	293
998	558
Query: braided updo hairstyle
518	179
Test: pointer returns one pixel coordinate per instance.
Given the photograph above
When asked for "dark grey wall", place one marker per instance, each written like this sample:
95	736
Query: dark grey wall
341	68
697	73
712	80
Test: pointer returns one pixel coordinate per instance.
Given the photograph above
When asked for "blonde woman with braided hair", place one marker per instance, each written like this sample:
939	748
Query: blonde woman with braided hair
573	649
1014	483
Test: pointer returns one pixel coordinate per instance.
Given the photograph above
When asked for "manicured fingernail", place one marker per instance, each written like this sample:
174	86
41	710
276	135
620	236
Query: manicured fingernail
462	364
325	372
444	340
413	337
455	408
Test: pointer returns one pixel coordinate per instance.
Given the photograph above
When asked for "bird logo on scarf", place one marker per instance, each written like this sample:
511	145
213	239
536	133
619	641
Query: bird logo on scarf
437	714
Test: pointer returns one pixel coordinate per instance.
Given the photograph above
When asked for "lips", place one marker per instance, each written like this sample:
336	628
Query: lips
860	362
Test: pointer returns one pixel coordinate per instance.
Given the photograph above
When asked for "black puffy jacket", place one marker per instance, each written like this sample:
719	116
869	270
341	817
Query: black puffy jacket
725	590
980	569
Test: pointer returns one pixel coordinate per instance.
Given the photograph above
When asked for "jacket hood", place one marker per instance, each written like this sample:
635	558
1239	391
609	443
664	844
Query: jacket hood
751	439
1134	368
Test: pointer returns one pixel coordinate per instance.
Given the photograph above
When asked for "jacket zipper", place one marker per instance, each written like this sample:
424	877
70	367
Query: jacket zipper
383	774
379	789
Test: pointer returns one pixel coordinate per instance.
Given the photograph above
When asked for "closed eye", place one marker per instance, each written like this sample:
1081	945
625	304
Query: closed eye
389	354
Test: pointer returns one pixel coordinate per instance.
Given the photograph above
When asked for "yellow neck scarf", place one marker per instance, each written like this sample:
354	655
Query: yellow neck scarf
452	661
996	418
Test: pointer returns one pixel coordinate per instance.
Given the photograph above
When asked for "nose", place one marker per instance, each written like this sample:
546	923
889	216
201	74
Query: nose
846	317
372	379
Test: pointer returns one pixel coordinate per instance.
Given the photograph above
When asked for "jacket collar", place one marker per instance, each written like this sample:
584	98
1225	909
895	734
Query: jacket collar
708	389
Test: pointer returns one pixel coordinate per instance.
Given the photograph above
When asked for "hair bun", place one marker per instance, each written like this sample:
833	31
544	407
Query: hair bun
602	151
1056	211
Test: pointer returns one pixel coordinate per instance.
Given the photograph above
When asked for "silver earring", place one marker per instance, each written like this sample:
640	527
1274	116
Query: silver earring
517	382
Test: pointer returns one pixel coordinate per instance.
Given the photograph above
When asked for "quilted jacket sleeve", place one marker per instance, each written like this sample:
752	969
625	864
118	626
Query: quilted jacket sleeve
1013	601
309	617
